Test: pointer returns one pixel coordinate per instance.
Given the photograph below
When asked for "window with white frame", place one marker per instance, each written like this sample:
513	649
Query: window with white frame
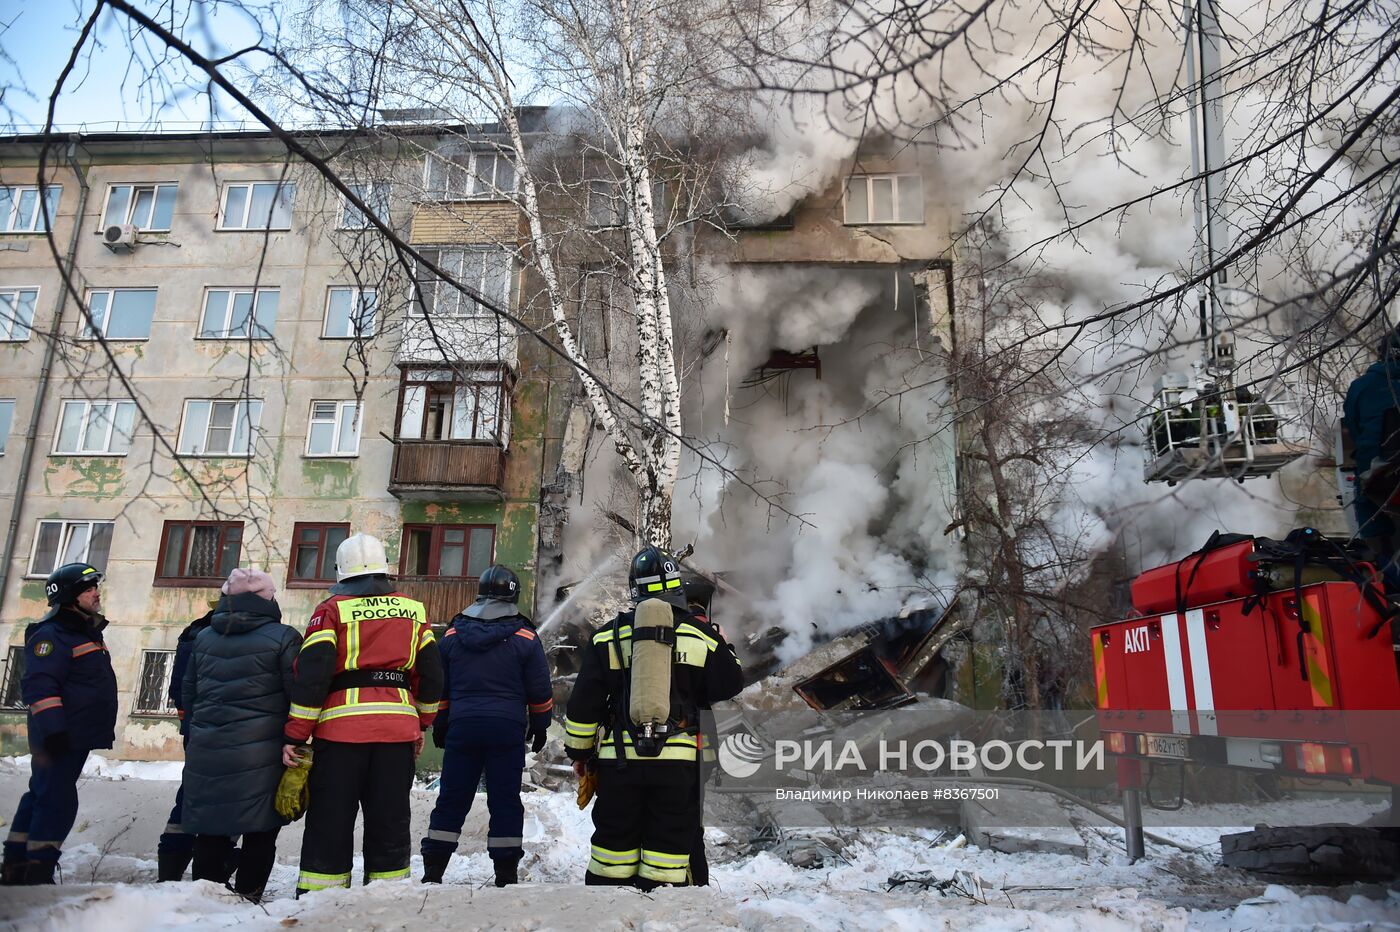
153	696
144	206
884	199
486	270
471	175
120	313
375	195
95	428
350	313
238	314
7	417
58	542
441	404
257	205
17	313
334	429
219	428
24	210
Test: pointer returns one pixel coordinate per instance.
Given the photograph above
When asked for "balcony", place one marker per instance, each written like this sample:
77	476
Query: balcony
448	470
443	598
437	340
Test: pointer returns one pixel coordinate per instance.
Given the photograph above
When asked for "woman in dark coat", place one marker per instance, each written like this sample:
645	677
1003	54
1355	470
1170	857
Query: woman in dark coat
236	693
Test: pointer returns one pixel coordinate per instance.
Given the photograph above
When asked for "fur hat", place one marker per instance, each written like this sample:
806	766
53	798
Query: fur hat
254	581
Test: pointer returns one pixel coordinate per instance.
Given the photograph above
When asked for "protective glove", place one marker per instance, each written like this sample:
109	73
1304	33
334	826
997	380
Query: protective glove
537	731
293	793
587	786
440	730
57	744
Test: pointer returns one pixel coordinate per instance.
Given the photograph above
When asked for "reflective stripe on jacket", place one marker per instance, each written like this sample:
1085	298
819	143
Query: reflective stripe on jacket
375	631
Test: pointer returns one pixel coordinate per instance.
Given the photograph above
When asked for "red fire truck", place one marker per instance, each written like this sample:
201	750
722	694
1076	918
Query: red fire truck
1262	655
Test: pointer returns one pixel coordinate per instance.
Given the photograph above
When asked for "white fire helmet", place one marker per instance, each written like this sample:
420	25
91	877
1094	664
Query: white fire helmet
360	555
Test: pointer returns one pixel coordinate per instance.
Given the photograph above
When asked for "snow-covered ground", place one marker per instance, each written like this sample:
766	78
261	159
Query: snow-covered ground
109	867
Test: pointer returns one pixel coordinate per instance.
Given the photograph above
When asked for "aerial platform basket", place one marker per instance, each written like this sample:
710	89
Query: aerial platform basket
1197	429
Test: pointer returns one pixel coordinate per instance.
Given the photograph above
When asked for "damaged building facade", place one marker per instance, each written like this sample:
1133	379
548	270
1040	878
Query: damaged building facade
285	383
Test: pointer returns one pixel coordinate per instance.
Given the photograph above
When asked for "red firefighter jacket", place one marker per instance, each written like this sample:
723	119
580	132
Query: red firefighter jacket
376	633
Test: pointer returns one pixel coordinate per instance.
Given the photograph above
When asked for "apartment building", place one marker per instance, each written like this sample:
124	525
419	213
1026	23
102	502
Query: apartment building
267	384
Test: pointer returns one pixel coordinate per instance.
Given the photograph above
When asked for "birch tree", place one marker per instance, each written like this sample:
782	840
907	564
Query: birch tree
627	85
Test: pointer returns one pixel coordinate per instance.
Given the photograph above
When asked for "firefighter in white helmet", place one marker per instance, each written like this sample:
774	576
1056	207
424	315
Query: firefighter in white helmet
368	683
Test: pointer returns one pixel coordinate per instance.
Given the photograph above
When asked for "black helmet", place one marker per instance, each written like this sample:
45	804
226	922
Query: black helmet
1389	349
497	582
655	574
66	583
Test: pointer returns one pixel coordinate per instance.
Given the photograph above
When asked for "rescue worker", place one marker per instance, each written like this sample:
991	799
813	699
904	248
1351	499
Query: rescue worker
498	696
175	849
1370	398
71	692
367	684
647	813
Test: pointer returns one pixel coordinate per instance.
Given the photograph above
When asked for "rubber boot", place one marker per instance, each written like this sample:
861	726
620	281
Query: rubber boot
434	865
12	873
171	865
39	873
506	869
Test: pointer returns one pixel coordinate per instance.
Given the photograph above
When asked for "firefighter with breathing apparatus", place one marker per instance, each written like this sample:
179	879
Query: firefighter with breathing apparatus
634	715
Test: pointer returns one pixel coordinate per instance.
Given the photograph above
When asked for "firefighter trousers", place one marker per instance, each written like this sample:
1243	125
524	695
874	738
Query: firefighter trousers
47	810
646	819
345	779
474	749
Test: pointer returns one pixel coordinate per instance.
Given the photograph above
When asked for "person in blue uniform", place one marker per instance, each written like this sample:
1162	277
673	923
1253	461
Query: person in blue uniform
498	697
1371	399
71	693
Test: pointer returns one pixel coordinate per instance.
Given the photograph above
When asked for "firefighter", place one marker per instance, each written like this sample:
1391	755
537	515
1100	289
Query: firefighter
498	696
647	814
367	684
71	692
176	848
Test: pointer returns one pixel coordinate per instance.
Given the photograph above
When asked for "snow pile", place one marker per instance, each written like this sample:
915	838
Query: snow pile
104	769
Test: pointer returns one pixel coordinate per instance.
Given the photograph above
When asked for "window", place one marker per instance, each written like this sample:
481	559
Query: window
375	194
259	205
20	208
144	206
884	199
238	314
121	313
470	175
486	270
95	427
7	417
334	430
17	312
604	204
596	301
350	313
198	553
11	696
438	404
60	542
219	428
153	696
607	203
313	554
450	550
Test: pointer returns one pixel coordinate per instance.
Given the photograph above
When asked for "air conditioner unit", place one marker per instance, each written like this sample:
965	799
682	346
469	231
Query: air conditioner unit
120	237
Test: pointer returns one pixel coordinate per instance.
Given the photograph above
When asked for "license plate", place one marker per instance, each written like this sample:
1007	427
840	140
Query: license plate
1166	746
